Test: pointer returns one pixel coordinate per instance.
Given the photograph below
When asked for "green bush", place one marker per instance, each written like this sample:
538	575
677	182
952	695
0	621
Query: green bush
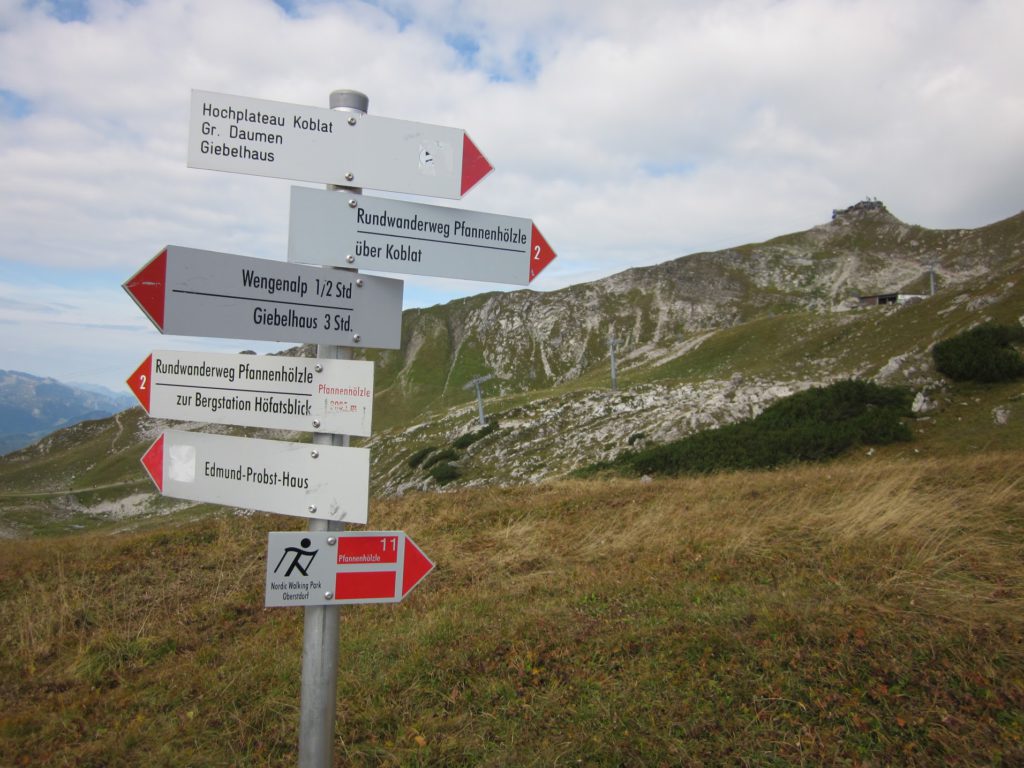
984	354
417	458
464	441
445	455
815	425
444	472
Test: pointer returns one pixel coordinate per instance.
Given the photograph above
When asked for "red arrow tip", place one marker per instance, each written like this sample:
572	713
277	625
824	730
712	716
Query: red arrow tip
417	565
141	382
146	287
540	253
474	165
153	461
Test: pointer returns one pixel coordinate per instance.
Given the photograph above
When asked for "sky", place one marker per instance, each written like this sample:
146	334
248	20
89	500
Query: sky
631	133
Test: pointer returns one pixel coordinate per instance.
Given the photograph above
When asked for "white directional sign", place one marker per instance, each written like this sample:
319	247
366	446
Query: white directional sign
335	567
189	292
323	481
325	146
294	393
351	230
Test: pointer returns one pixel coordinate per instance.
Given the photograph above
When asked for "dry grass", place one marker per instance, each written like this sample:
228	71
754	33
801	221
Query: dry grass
866	612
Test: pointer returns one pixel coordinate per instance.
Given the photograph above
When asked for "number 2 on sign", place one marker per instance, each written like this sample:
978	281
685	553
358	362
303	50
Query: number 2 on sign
142	382
536	253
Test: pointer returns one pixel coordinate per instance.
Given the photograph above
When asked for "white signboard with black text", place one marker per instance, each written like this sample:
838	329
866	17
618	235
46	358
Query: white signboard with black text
344	229
274	392
239	134
326	482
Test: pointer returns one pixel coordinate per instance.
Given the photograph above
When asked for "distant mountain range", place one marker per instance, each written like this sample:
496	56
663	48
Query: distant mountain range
32	407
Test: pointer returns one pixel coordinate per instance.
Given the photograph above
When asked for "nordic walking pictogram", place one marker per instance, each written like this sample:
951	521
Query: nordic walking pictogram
298	555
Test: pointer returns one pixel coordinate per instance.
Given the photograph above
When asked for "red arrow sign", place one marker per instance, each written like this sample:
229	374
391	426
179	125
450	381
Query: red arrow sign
147	288
540	253
378	585
474	165
141	382
327	568
153	461
417	566
191	292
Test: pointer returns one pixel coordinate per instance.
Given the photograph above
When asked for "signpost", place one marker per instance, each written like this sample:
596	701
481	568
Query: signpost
321	481
185	291
342	567
294	393
189	292
352	230
325	146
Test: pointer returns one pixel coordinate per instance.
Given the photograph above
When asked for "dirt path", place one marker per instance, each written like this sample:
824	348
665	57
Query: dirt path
67	491
120	431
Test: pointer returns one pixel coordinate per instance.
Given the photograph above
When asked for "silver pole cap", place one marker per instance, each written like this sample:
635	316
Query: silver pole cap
350	100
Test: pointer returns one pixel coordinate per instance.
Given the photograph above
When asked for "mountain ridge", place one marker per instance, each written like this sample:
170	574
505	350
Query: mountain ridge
703	340
534	340
33	406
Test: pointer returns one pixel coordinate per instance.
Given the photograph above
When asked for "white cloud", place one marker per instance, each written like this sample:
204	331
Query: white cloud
630	132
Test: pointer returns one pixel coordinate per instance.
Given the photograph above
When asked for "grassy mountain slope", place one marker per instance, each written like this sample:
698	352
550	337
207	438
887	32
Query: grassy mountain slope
865	613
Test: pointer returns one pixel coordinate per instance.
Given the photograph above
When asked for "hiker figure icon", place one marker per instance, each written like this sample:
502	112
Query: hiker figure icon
298	554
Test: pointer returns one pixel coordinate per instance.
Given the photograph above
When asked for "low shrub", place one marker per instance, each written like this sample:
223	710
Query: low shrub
444	472
446	455
464	441
983	354
815	425
417	458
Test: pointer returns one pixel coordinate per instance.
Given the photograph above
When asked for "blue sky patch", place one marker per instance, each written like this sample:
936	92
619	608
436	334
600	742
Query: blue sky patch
13	105
65	11
465	46
288	6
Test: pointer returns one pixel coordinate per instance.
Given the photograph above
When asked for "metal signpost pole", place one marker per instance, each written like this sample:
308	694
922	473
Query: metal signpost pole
321	623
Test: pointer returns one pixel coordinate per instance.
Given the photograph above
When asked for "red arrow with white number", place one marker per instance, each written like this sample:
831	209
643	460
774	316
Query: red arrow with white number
141	382
541	253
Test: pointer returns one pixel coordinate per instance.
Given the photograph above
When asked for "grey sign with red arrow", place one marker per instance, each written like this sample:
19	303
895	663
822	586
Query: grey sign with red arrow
190	292
288	141
344	229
